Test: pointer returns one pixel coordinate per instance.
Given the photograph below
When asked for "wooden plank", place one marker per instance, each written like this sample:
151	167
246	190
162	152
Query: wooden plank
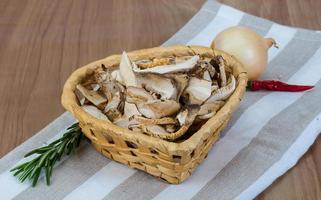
42	42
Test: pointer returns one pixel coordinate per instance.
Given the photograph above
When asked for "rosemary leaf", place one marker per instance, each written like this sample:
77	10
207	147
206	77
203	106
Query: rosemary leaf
48	156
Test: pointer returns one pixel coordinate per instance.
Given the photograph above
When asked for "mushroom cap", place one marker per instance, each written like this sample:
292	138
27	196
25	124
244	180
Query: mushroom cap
136	95
206	116
207	76
95	112
114	103
181	82
126	71
158	108
223	92
91	95
159	84
130	110
198	90
187	115
143	64
165	69
115	75
154	129
210	107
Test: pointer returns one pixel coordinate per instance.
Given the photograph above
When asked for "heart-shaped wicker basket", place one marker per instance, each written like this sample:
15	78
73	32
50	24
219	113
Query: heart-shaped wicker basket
171	161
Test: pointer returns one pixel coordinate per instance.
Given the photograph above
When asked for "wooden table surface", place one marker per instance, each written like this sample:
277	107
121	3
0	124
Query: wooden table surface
43	41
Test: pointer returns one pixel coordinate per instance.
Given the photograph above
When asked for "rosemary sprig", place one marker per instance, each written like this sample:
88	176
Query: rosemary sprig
48	156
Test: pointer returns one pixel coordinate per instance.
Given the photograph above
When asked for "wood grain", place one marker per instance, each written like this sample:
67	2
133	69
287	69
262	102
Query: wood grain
43	41
305	14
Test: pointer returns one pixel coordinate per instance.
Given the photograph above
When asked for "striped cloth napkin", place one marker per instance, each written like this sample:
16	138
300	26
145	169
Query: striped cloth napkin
265	137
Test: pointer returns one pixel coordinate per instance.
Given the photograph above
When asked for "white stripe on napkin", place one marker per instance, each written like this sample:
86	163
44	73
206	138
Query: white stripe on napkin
288	160
102	182
226	17
219	157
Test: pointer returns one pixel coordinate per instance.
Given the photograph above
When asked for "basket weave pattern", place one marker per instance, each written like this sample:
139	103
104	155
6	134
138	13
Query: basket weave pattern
170	161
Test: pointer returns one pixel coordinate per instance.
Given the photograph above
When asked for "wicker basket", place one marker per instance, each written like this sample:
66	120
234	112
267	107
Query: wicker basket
170	161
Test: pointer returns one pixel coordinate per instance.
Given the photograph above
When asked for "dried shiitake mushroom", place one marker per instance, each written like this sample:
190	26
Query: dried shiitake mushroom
158	96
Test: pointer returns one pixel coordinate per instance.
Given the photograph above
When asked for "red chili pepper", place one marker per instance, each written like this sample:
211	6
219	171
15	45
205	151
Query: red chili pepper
276	86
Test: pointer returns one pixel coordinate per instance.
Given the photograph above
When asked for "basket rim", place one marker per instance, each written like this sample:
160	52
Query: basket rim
70	103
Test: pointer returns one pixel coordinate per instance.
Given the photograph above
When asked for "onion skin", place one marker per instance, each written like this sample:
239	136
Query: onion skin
247	46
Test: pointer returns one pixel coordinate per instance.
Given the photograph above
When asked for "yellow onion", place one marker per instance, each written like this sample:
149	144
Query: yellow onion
247	46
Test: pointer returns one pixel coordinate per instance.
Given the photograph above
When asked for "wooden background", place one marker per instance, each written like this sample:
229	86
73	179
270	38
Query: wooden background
43	41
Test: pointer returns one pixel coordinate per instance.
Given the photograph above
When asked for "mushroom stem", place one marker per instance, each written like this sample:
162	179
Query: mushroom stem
164	69
223	92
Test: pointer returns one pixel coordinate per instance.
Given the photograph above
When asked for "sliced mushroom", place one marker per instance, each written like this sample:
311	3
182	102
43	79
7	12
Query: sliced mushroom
122	122
129	111
157	130
95	112
161	132
223	92
107	84
214	86
182	59
222	71
91	95
126	71
197	91
81	98
182	116
158	108
136	129
143	64
171	128
207	76
164	69
187	115
113	108
211	69
114	103
113	114
207	108
95	87
101	75
136	95
206	116
197	72
115	75
181	82
158	84
154	129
